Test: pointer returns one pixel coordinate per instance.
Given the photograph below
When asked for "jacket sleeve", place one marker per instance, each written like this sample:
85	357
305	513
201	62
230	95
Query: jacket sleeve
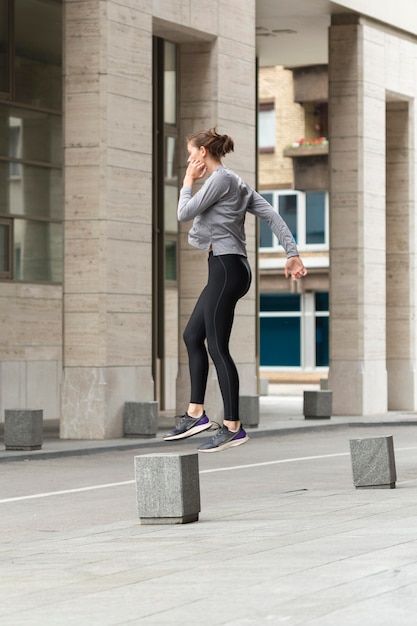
261	208
189	206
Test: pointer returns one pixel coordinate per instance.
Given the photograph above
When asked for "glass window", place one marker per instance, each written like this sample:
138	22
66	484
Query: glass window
322	341
305	213
288	211
170	260
280	341
34	192
266	127
280	333
322	301
170	83
265	233
31	190
285	326
322	328
315	217
30	135
4	47
38	56
5	257
280	302
37	251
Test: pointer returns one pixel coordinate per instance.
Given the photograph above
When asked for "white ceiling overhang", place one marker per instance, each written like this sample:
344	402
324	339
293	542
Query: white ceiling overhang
295	32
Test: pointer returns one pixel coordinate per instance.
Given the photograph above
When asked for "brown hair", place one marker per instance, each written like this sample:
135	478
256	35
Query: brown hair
216	145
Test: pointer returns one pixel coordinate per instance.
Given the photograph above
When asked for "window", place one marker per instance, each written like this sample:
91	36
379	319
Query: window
31	202
266	127
4	47
306	215
280	330
5	248
294	331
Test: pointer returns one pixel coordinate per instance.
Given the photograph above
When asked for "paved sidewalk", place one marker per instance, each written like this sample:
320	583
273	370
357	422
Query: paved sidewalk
283	537
280	412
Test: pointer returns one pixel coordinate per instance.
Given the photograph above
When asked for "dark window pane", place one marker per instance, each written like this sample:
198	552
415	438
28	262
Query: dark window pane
37	251
5	228
322	300
278	302
4	47
280	341
38	56
265	233
315	217
322	341
288	212
170	260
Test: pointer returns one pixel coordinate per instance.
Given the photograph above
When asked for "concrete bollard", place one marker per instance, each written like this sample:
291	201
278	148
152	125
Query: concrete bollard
167	488
318	404
373	463
249	411
23	429
140	419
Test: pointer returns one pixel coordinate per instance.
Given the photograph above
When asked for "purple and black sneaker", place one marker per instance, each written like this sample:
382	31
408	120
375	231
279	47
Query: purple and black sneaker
188	426
224	438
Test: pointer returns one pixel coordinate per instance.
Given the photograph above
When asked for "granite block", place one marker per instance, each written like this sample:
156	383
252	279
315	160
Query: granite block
23	429
249	411
167	488
140	419
318	404
373	462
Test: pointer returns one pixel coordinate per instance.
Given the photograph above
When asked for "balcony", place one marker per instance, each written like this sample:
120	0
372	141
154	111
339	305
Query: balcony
310	164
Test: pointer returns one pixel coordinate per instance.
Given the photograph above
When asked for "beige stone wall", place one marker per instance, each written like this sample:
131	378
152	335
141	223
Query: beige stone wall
276	85
373	235
108	217
30	347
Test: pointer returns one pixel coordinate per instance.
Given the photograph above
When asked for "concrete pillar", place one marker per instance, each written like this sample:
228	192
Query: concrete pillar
218	88
401	314
357	375
108	216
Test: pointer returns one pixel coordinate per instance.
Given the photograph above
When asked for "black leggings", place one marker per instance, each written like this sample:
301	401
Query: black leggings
229	279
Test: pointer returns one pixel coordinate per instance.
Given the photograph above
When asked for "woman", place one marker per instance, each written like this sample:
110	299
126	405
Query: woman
218	210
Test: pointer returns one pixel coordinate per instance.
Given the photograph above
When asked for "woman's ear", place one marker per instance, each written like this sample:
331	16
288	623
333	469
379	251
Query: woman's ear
203	151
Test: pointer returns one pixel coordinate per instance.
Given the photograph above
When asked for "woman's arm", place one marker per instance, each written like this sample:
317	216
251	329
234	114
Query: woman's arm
214	188
294	266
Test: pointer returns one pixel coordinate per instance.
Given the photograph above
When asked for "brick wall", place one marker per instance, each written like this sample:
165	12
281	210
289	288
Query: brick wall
276	85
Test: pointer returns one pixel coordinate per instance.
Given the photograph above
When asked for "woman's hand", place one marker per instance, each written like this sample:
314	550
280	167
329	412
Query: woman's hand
195	170
294	267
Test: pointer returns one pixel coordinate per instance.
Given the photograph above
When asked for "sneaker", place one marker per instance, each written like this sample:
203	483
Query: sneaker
224	438
188	426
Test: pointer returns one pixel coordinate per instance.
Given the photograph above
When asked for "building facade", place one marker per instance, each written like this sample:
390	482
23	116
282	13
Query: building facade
293	177
96	277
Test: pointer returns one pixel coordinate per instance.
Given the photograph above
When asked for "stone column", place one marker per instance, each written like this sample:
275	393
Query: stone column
108	216
401	339
357	224
218	88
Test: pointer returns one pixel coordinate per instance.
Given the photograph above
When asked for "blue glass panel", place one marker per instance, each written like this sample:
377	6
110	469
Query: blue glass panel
322	300
265	233
315	217
277	302
322	341
280	341
288	212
